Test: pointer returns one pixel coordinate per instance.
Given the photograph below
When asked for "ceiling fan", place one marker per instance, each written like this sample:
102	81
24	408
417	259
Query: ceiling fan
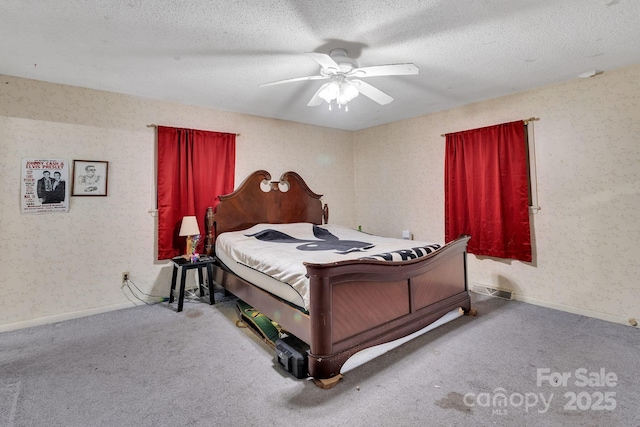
345	76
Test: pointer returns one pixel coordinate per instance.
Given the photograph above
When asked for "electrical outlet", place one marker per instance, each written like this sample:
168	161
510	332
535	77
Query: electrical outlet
125	276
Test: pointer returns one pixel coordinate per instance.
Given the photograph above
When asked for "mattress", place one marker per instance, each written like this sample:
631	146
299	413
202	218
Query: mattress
272	256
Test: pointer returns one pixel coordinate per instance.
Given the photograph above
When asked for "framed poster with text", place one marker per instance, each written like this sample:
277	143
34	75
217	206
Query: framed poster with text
44	186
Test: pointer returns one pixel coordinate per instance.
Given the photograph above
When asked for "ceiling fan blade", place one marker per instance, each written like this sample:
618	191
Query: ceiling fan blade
385	70
325	61
295	79
372	92
315	99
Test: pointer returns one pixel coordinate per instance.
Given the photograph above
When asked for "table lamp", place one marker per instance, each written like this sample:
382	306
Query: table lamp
190	229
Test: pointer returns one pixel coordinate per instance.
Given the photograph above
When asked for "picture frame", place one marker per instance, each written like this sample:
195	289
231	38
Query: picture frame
90	178
45	185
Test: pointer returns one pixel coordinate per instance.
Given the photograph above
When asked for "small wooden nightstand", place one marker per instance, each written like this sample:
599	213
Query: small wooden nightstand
185	264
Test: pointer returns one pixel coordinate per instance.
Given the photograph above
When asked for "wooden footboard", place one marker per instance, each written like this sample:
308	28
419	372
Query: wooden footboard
359	304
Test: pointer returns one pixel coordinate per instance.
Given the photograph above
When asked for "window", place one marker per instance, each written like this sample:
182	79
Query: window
487	190
194	168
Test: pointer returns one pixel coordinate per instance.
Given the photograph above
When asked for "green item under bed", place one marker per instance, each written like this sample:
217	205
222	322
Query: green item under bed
258	322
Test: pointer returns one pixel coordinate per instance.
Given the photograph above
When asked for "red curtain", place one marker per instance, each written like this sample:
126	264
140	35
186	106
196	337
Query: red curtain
486	190
194	168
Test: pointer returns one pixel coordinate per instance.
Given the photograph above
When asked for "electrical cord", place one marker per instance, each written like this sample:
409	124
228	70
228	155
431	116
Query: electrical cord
189	294
128	283
131	291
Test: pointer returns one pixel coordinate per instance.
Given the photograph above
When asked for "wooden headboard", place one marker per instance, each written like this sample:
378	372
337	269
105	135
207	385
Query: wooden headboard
260	200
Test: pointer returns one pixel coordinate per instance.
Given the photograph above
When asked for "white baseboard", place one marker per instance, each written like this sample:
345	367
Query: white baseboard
570	309
62	317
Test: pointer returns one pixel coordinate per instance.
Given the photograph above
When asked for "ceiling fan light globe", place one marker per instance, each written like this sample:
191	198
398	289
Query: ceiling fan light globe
324	94
330	91
343	99
349	90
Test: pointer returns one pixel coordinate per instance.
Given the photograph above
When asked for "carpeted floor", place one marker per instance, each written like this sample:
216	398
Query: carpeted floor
151	366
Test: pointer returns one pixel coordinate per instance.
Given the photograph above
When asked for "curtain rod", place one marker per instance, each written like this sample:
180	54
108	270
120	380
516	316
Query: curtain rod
152	125
526	122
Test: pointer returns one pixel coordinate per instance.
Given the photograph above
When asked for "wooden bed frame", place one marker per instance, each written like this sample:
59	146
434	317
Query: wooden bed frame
353	304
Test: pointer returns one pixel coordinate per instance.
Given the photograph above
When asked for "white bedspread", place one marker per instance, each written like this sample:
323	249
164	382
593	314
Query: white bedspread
279	250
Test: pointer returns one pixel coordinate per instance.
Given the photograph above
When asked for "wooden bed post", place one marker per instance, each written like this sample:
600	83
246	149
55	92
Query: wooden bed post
208	239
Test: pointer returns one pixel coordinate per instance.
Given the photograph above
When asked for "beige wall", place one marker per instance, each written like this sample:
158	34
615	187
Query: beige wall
57	266
588	167
387	179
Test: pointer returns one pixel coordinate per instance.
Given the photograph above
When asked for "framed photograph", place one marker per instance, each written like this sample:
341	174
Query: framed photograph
90	178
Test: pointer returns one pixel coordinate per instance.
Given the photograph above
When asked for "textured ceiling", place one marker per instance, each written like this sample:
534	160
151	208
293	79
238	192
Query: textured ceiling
215	54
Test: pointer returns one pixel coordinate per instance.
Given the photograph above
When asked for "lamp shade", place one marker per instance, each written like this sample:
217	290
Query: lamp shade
189	226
